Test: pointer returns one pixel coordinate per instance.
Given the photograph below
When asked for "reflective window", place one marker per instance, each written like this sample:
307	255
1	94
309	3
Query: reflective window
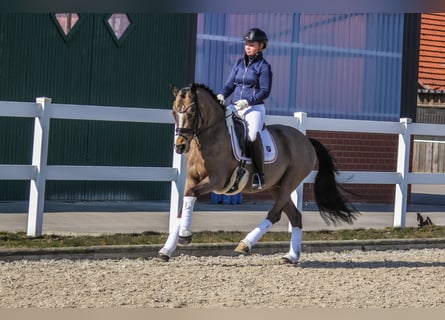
67	21
337	65
118	23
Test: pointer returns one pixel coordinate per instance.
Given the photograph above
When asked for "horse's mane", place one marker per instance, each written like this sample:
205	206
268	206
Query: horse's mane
195	85
207	89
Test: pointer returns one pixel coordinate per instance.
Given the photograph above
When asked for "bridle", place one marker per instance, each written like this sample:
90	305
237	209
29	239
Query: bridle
196	129
181	131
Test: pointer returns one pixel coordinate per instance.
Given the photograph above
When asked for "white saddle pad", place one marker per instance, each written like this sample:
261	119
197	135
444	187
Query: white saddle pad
270	149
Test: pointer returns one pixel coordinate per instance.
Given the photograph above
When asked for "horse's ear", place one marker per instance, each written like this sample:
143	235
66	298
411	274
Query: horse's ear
193	88
174	89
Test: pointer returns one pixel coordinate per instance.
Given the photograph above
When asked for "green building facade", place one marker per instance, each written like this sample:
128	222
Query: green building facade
125	60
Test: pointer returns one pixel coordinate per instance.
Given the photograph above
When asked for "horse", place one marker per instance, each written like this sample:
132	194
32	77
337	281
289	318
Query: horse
202	134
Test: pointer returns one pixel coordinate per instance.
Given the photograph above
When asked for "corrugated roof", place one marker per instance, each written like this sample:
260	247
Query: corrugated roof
432	51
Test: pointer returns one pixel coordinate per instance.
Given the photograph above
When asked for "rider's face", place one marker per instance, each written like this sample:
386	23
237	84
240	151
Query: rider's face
252	48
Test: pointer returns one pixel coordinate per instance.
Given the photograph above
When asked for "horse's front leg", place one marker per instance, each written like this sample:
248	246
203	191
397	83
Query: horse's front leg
180	232
172	241
190	196
185	222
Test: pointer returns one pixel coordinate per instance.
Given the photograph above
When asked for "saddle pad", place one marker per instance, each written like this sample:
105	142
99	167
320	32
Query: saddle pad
269	147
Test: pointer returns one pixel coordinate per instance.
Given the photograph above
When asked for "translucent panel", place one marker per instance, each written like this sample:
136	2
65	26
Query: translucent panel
341	66
118	23
67	21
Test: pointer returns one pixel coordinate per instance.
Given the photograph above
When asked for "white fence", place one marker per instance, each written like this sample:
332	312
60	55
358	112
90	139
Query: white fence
38	171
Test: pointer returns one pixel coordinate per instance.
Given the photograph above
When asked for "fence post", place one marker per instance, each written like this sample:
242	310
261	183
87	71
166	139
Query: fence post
403	156
297	195
177	189
39	160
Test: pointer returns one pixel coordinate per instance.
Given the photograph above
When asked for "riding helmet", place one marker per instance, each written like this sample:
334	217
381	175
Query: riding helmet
256	34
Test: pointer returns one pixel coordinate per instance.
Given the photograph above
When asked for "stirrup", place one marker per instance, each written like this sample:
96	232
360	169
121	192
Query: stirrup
257	181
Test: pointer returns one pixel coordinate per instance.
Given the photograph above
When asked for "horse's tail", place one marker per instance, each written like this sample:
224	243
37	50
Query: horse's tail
332	204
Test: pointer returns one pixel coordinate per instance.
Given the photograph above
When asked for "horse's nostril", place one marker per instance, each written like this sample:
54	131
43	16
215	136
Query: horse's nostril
180	148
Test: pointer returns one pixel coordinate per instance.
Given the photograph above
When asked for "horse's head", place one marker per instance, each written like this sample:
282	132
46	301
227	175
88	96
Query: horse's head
191	116
186	114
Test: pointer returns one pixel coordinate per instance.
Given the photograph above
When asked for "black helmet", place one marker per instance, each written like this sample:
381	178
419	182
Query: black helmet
256	34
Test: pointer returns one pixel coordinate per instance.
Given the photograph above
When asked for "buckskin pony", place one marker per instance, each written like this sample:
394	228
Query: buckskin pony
202	134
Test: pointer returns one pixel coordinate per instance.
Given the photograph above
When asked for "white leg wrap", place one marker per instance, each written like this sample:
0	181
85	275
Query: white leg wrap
295	245
186	217
172	240
255	235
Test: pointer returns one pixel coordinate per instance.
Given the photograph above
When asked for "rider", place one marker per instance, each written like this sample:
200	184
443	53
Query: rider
250	81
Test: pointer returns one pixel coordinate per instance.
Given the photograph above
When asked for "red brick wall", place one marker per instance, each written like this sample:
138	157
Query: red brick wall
361	152
356	152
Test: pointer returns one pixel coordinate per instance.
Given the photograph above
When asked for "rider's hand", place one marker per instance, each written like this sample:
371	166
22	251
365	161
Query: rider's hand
220	98
241	104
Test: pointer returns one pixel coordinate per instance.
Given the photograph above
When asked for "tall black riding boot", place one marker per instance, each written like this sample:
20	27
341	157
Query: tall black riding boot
257	163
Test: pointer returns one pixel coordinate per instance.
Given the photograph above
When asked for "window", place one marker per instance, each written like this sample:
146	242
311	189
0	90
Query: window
66	22
335	66
118	24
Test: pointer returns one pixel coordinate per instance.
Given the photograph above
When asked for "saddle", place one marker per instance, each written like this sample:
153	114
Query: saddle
237	128
240	142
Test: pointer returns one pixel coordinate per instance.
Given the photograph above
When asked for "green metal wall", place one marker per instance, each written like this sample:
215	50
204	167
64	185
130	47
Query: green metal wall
90	67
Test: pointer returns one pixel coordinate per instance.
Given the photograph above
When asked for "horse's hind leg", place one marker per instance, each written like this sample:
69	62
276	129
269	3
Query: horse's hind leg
255	235
295	219
273	216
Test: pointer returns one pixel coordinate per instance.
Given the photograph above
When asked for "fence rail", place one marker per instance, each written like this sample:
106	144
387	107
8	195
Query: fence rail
38	171
43	111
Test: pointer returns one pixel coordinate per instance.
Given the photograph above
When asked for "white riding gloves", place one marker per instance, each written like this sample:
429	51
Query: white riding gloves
220	98
241	104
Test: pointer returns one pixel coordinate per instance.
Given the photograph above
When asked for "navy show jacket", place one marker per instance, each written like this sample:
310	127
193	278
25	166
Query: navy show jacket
250	79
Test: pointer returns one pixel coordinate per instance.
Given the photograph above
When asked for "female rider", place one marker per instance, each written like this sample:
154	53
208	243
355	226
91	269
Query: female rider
250	82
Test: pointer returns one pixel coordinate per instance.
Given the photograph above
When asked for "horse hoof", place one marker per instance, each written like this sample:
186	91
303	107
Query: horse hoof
287	259
162	257
185	240
242	248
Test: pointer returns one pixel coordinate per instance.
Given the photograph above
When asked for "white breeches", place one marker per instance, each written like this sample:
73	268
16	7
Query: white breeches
254	116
